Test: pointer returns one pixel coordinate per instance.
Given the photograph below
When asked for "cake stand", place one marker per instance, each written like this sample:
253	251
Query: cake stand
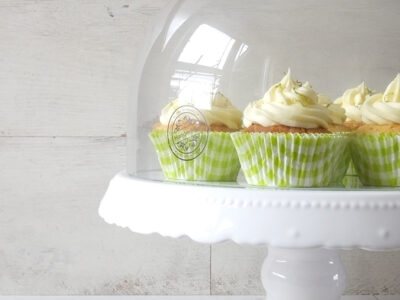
303	228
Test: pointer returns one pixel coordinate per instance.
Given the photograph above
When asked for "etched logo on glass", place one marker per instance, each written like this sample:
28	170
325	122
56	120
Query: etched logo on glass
187	133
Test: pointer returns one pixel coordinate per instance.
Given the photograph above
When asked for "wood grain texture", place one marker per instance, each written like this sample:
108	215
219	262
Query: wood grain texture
65	71
235	270
178	298
52	241
375	273
66	66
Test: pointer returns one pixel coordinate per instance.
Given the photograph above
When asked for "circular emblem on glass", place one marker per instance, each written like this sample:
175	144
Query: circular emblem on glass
187	133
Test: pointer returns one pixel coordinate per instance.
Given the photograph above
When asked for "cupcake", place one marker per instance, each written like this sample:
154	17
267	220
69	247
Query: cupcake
338	114
376	147
192	139
286	141
352	101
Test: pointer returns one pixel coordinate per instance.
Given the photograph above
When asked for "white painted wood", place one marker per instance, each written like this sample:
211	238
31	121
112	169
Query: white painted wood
52	240
173	298
144	298
66	66
235	270
372	272
358	298
65	69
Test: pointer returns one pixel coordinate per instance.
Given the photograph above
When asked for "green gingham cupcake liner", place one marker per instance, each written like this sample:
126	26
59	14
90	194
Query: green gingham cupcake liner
351	171
217	162
291	160
352	182
342	161
376	158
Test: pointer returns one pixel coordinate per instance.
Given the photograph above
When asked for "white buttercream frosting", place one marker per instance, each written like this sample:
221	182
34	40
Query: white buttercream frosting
288	103
383	108
352	100
338	114
217	110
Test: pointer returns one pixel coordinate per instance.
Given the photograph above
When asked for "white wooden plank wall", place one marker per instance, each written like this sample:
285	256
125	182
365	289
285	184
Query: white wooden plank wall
65	69
359	297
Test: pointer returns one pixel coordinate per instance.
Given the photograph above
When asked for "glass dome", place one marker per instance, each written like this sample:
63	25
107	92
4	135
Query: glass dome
241	48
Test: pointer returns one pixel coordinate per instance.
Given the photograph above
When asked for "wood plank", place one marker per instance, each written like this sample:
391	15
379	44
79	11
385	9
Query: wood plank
375	273
54	243
176	297
144	298
66	66
65	71
235	270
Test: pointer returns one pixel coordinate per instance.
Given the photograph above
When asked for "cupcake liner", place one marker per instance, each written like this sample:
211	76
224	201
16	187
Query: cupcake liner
376	158
217	162
291	160
351	179
352	182
343	162
351	171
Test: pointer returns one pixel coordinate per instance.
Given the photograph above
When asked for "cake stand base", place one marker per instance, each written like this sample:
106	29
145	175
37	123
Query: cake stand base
303	274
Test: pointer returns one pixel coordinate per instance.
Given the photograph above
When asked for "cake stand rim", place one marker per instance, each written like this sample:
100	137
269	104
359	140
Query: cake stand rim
217	205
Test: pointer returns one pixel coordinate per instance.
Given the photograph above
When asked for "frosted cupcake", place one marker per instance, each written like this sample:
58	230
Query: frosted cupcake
352	101
192	139
286	141
376	147
338	114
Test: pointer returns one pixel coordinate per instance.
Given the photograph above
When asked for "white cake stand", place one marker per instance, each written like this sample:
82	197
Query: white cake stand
304	228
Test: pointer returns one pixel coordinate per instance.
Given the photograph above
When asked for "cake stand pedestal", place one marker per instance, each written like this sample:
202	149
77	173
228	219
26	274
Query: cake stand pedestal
303	228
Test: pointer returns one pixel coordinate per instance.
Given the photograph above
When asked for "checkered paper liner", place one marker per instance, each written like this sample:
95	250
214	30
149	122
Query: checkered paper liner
352	182
376	158
218	161
291	160
351	171
343	162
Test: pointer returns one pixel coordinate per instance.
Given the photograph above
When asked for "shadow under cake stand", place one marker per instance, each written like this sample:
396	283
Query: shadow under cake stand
303	228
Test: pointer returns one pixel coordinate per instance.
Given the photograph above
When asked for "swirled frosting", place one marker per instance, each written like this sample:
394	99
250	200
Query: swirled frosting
338	114
288	103
383	108
352	100
217	111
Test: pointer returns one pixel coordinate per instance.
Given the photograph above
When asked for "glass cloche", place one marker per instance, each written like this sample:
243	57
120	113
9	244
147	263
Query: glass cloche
301	97
215	77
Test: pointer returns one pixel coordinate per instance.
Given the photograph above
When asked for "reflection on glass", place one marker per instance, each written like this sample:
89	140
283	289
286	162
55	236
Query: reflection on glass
336	277
203	62
279	275
242	50
194	87
207	47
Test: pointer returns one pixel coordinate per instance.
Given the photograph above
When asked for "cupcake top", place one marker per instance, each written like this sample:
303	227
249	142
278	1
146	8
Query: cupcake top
218	110
352	100
288	103
338	114
383	109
